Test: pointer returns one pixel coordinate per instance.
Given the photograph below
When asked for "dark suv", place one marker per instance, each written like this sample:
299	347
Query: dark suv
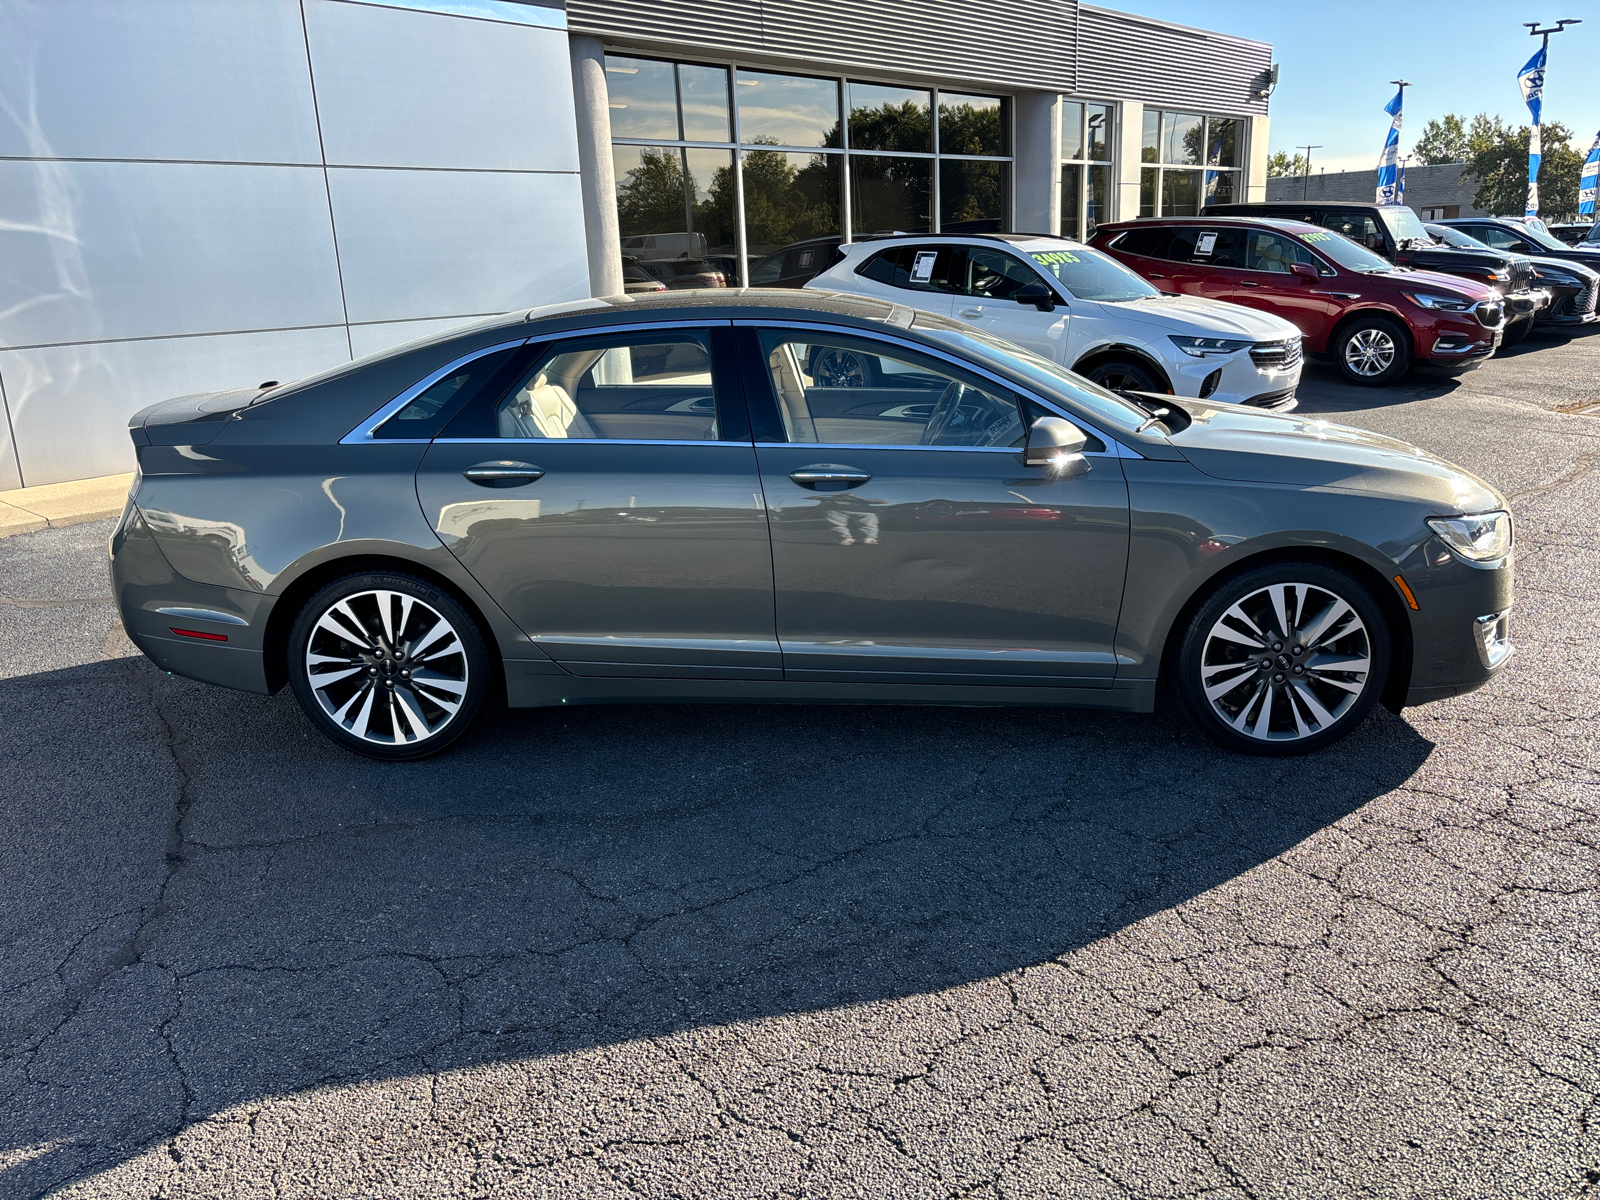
1397	233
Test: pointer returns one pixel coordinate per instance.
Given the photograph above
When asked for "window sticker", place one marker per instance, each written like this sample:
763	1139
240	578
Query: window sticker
1050	258
1314	237
922	266
1206	243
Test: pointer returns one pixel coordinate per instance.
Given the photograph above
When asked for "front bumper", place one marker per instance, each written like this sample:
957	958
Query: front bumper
1461	628
1532	301
1236	380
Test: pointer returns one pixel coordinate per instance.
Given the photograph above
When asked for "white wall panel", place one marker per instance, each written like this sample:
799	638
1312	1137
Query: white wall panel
369	339
176	79
70	404
432	243
9	476
411	89
90	251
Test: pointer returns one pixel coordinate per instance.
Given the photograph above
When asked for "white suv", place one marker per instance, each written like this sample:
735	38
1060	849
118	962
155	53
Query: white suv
1083	309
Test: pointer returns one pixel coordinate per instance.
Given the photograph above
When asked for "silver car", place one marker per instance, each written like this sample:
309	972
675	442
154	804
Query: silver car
777	496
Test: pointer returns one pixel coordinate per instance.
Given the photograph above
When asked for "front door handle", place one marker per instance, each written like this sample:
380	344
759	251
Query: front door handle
1154	275
503	473
971	314
1248	283
825	474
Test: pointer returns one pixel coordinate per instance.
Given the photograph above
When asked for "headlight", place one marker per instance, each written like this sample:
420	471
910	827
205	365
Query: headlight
1480	538
1546	274
1201	347
1445	303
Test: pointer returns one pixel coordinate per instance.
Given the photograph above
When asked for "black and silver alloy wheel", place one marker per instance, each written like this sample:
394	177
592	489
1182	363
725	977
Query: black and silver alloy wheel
1286	663
387	665
1372	351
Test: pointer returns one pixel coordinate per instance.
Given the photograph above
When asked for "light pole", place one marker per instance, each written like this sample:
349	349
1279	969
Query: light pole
1305	181
1531	80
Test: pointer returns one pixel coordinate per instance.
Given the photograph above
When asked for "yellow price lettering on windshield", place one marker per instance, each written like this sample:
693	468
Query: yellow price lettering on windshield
1051	257
1313	237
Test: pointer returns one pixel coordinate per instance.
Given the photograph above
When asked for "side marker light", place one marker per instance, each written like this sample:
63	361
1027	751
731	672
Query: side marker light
222	637
1405	590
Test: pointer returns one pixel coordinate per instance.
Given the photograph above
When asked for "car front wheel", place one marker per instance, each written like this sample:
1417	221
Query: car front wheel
1124	375
1372	352
388	666
1284	659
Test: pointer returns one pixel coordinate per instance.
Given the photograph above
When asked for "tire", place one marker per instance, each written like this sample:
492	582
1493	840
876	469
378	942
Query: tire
1125	375
354	652
1300	702
833	367
1372	352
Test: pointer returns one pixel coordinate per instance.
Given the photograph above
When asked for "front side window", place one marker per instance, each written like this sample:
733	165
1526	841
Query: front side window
853	391
1500	239
639	388
1359	227
1345	252
995	274
1090	275
1273	253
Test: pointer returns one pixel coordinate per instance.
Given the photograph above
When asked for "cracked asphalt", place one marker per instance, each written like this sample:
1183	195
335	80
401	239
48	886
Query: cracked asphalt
825	952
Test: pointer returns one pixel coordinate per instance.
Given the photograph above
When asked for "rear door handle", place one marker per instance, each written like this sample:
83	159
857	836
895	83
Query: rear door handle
1154	275
1248	283
972	314
823	474
503	473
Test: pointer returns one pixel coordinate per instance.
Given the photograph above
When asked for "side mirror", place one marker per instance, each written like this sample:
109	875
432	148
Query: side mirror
1304	270
1037	294
1057	445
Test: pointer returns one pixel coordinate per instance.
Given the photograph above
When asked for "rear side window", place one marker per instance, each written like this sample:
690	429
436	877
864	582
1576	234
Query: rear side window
1151	243
914	268
435	404
1212	247
1359	227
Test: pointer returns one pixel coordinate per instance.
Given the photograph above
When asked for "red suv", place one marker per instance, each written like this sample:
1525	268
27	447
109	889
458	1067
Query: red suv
1372	318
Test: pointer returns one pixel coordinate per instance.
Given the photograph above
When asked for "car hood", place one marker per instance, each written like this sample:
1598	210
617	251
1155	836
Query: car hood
1412	278
1229	442
1199	317
1578	270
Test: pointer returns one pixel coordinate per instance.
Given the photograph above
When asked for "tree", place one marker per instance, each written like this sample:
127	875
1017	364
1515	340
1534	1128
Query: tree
1443	141
1498	162
1282	163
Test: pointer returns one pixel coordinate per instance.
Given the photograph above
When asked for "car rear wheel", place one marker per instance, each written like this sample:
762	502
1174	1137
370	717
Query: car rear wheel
1124	375
1284	659
388	666
1372	351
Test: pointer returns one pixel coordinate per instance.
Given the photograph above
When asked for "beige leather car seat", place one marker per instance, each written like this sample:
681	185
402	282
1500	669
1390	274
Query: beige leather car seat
790	385
543	410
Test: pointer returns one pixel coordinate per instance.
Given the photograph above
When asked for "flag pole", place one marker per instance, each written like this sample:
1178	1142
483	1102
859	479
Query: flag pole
1531	80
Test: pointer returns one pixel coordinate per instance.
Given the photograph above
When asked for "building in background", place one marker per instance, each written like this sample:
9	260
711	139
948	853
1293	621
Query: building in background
198	195
1435	192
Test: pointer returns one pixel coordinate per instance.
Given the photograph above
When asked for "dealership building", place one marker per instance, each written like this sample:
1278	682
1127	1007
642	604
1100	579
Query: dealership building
204	194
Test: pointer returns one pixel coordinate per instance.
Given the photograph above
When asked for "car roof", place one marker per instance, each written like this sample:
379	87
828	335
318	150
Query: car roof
710	303
1308	204
1163	222
1011	239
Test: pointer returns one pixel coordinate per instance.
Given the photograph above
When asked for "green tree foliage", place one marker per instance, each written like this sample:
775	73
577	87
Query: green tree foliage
656	196
1283	163
1497	161
1443	140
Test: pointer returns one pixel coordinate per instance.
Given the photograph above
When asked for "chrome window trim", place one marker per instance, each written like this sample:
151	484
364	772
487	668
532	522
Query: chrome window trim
362	433
497	441
1114	447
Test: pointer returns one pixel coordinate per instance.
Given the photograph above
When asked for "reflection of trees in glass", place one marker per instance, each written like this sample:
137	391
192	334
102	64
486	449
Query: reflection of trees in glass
970	129
659	196
783	203
888	127
971	191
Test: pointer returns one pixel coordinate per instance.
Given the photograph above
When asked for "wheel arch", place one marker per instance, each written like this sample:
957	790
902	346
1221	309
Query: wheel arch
287	606
1383	590
1116	350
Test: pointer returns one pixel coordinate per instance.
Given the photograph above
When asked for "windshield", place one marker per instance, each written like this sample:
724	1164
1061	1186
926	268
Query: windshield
1090	275
1540	238
1345	252
1451	236
1403	224
1052	380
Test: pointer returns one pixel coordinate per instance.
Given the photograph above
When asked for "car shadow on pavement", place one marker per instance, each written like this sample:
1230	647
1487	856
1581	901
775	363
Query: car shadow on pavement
211	905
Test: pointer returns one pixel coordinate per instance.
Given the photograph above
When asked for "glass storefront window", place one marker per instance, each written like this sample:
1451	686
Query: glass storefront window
890	195
977	125
707	116
644	98
890	118
788	110
687	136
789	197
1178	142
1087	135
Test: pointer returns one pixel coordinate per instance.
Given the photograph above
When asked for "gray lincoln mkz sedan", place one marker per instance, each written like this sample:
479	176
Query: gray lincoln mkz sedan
766	496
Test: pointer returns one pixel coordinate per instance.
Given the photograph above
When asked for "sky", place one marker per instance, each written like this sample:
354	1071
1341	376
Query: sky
1336	62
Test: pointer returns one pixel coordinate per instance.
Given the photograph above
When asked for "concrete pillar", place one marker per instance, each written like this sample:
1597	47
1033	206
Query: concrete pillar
1255	187
1130	130
1037	172
597	176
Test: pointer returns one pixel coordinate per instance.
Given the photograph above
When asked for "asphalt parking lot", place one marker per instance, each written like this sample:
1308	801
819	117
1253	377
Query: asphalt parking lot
710	952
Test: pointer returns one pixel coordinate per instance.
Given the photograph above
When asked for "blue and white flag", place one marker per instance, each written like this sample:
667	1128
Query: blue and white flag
1400	186
1388	170
1531	80
1588	180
